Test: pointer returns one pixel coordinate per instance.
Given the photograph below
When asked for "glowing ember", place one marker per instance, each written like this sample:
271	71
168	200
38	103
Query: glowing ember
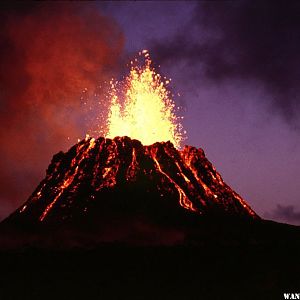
147	113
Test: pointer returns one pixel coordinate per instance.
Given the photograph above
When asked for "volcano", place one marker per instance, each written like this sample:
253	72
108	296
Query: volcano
108	185
116	188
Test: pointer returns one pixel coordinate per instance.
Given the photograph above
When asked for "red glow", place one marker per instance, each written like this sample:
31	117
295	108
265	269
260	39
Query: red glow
51	52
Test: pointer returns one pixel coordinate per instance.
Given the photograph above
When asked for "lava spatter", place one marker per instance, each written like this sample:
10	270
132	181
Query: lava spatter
141	107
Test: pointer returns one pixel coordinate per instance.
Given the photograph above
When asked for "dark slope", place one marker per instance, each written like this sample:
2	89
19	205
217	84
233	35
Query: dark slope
119	190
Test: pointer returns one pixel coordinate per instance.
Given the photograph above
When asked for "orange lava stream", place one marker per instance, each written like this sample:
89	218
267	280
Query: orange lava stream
187	161
48	208
68	181
131	169
244	204
183	199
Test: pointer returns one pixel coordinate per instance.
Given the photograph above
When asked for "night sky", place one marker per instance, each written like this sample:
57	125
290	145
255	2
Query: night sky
235	64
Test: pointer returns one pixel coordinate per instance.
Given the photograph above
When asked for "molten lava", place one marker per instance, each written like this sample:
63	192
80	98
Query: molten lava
148	112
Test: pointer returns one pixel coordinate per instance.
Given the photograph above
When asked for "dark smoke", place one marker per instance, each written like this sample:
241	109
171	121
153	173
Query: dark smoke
285	213
248	40
50	52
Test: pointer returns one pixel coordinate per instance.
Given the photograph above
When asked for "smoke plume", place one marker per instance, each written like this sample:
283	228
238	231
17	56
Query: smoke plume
50	53
243	40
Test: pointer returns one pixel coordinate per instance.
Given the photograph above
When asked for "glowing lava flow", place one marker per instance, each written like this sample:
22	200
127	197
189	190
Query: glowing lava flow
68	181
147	113
183	199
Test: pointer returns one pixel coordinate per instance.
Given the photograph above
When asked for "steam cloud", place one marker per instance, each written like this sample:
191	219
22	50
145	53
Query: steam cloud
50	52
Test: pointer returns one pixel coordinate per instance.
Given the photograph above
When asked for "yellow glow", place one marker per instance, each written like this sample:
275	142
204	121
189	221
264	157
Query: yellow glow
148	110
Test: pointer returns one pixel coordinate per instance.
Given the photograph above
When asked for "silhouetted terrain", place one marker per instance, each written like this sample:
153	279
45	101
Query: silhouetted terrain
209	271
233	260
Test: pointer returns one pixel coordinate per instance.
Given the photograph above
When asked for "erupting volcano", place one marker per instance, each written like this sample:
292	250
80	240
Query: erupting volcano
130	205
136	173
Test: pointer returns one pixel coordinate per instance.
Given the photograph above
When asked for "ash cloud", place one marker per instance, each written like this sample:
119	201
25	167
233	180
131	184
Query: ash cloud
248	40
50	52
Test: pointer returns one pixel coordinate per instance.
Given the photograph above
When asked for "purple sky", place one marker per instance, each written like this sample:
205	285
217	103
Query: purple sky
235	64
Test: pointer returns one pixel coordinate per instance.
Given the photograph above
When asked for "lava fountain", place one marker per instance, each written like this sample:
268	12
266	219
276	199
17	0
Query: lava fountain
148	111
